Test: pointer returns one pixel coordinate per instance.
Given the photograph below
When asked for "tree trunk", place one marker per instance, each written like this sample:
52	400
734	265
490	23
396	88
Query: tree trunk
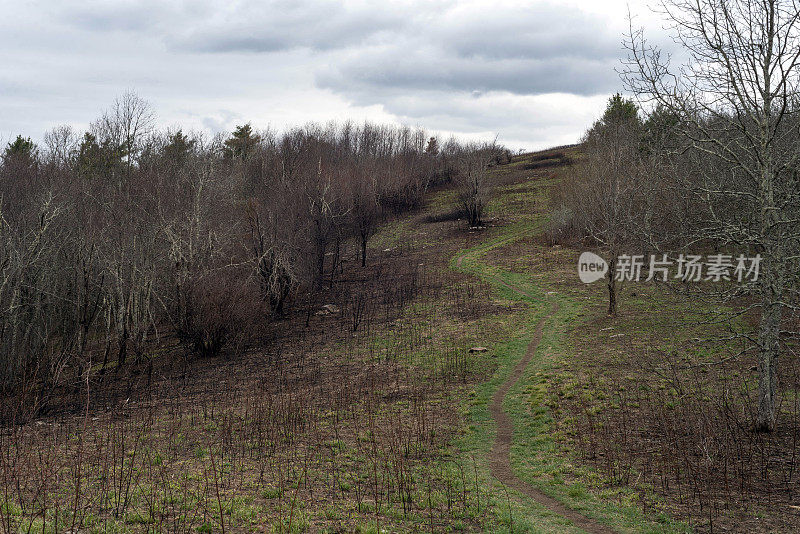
363	249
320	274
122	351
772	282
769	349
336	256
612	287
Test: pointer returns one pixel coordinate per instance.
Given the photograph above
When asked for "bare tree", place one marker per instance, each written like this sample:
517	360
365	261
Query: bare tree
272	245
365	211
604	197
325	210
129	121
736	99
39	329
472	164
62	144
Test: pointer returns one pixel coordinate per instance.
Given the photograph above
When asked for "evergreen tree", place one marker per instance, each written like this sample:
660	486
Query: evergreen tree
177	150
241	143
22	149
99	159
619	110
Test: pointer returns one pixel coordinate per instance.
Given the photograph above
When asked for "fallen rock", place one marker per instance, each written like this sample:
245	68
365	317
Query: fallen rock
331	308
478	349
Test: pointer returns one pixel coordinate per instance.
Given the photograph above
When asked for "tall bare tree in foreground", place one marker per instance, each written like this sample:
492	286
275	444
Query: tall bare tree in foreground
736	99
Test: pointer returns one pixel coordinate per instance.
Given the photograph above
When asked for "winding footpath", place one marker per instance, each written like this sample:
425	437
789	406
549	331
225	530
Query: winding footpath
500	452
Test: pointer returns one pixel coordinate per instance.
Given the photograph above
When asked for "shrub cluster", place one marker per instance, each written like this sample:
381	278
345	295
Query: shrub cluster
114	238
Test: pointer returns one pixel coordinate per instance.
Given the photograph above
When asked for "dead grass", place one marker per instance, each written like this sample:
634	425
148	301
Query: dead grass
334	422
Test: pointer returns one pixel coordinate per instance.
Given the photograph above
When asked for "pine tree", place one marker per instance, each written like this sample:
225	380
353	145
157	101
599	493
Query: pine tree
241	143
21	149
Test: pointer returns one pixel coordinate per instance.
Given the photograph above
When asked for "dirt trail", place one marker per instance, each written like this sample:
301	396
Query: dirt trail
500	453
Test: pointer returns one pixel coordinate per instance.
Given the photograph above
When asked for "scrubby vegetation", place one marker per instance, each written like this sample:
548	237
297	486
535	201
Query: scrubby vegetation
365	328
700	163
124	237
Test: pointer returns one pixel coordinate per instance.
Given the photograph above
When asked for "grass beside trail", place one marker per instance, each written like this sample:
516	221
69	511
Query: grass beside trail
535	455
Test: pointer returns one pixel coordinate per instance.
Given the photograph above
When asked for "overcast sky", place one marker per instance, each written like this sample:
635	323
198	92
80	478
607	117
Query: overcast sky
534	73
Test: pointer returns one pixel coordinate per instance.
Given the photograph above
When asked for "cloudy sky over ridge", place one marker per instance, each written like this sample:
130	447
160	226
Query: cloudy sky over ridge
534	73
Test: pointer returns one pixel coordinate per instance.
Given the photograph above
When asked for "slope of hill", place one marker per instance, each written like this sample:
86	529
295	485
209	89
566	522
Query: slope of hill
464	381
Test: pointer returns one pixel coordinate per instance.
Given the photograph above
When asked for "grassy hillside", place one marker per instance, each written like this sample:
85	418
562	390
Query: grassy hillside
373	415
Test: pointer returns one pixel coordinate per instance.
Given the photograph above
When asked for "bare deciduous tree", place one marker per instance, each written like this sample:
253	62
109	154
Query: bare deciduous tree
472	164
365	209
736	100
605	199
62	144
129	121
272	246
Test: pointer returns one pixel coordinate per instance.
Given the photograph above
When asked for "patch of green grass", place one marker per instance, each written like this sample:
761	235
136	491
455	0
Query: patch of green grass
535	455
272	492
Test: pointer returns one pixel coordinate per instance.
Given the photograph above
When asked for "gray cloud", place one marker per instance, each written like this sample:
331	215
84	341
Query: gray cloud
531	49
420	71
451	65
138	16
240	26
536	49
538	30
280	25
